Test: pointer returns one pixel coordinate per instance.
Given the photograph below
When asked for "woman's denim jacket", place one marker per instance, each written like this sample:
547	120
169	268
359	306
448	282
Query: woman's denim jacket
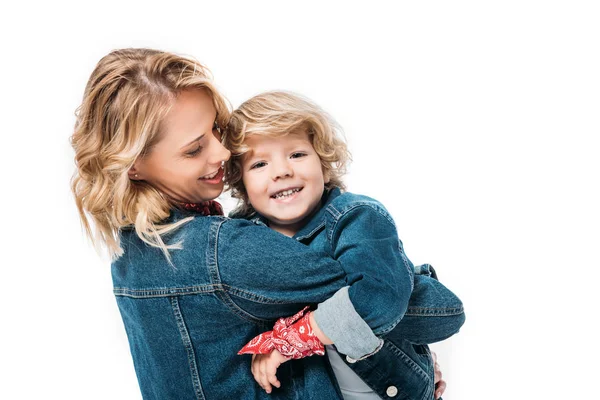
230	281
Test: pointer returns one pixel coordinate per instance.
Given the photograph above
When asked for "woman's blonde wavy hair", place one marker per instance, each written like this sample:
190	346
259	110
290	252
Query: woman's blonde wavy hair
277	114
127	96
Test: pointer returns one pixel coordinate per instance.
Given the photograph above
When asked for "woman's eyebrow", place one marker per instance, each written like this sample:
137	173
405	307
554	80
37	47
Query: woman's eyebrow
192	141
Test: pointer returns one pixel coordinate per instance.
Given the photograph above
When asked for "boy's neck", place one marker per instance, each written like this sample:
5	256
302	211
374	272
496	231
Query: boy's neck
291	229
286	230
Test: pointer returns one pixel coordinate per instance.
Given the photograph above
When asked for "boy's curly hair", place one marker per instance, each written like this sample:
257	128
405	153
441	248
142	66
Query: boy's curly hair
277	114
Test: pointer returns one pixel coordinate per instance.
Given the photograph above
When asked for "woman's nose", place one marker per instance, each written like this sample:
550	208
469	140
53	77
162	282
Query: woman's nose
218	152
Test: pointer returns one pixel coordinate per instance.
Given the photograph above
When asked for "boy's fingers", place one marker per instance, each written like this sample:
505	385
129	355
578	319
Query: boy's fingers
255	371
272	373
266	385
273	380
264	379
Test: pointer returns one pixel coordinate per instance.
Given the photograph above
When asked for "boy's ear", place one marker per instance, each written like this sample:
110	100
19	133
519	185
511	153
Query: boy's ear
326	176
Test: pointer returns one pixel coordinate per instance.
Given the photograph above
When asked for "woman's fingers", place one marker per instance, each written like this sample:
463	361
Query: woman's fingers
437	373
440	384
440	388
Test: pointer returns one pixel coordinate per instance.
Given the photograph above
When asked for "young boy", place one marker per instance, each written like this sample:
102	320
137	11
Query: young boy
287	164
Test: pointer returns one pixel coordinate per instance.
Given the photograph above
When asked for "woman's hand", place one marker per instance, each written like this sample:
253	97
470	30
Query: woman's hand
440	384
264	369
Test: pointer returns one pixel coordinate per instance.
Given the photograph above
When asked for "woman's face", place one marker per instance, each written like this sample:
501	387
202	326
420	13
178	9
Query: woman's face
186	163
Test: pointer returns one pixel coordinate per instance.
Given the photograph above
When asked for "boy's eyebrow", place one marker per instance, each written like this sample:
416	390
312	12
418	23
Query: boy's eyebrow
248	154
192	141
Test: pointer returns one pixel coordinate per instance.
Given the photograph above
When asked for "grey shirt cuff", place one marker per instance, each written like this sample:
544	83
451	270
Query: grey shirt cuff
340	322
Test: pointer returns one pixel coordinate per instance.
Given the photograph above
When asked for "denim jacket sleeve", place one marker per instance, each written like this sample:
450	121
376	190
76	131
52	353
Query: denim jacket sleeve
364	240
267	275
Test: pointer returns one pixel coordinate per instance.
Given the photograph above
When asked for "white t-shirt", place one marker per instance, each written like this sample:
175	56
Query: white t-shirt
353	388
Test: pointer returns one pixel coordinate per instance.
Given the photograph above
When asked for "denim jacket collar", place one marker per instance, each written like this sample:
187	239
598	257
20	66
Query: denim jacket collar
318	220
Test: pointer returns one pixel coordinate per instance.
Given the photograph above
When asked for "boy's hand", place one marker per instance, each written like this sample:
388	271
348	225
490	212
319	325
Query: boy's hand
264	369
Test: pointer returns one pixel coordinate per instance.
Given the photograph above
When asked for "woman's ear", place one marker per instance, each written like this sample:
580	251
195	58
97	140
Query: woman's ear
134	173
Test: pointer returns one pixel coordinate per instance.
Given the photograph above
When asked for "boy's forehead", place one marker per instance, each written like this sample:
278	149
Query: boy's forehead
262	145
257	142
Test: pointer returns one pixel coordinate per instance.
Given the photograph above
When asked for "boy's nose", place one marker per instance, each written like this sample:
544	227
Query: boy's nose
281	170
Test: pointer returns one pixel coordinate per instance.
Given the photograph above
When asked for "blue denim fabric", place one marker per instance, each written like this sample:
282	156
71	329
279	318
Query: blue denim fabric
359	232
400	358
231	280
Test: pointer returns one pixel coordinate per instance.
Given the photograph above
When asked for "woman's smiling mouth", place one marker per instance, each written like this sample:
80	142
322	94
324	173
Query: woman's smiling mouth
215	177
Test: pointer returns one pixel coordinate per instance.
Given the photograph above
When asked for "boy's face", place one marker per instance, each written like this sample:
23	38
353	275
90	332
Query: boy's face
284	179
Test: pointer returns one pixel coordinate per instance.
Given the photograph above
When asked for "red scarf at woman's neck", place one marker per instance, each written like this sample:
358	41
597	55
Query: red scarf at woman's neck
210	207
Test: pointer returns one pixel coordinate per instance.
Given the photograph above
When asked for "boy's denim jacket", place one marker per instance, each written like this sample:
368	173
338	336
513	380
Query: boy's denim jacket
387	348
230	281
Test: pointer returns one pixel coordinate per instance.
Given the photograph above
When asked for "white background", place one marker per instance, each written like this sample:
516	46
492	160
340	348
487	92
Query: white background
476	123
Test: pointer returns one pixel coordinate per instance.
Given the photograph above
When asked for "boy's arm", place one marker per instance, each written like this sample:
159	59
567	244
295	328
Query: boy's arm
364	240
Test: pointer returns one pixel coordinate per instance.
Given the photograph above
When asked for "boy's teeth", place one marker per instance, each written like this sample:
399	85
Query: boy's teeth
286	193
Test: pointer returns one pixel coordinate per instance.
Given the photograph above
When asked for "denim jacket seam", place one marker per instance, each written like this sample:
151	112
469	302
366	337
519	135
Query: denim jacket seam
189	348
256	298
416	367
165	292
212	263
433	311
194	290
389	327
311	233
337	215
339	212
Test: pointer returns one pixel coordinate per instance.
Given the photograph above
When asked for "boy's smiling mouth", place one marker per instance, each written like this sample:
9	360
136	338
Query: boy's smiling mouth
286	193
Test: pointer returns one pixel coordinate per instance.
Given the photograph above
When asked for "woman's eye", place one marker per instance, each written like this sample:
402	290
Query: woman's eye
297	155
259	164
194	152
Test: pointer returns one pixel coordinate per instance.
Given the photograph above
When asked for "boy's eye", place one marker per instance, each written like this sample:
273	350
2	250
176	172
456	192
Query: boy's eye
259	164
298	155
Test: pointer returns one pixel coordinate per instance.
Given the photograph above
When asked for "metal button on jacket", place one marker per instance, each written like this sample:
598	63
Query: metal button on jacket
391	391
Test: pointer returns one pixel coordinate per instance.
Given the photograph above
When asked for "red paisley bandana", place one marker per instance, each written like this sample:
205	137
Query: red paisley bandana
210	207
292	337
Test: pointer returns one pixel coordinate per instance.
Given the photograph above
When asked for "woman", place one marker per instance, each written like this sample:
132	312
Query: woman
190	287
